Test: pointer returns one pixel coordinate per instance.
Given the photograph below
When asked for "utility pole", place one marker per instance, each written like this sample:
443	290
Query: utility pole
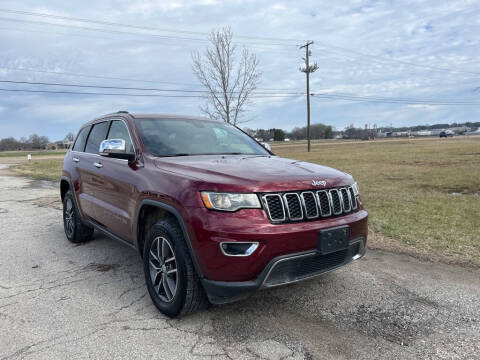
307	70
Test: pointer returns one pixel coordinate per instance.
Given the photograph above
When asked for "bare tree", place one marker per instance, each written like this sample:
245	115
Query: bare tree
69	137
229	79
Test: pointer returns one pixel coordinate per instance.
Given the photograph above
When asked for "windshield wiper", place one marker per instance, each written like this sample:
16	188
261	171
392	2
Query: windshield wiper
200	154
179	154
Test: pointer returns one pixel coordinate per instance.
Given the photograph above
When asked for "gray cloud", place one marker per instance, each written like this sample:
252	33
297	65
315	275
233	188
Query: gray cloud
355	44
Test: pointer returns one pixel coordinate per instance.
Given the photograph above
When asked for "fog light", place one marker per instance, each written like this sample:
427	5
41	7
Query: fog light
356	251
238	248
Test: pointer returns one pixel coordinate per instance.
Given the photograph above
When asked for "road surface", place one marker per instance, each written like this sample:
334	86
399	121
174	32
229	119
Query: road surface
60	300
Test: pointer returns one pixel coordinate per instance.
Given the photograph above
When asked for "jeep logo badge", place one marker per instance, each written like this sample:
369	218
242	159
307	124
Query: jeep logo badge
319	183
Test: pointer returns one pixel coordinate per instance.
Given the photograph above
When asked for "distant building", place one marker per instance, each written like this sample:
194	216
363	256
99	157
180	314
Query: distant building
63	144
51	146
401	134
422	133
476	132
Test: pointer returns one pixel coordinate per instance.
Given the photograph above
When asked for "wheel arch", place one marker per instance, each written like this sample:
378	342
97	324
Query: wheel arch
65	185
149	212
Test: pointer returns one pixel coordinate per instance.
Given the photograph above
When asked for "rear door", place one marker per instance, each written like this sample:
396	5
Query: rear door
89	166
77	159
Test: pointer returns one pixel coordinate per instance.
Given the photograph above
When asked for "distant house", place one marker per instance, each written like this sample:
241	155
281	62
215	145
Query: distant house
422	133
476	132
51	146
401	134
63	144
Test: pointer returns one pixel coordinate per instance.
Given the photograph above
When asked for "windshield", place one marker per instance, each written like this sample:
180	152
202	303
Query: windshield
183	137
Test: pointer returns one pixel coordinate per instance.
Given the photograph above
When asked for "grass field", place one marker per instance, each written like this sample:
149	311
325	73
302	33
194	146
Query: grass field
423	196
33	153
48	169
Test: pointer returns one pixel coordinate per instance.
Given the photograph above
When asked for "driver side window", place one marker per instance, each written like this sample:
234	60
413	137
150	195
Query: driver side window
118	130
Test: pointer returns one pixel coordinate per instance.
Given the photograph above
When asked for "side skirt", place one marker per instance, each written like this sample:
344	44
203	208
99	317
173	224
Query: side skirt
109	233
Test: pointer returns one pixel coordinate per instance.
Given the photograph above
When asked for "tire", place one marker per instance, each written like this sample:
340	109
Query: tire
75	230
172	281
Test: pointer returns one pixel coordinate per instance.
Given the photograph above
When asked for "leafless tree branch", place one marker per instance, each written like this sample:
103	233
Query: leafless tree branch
229	81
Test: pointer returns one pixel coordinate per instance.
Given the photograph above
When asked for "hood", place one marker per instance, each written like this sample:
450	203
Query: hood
253	173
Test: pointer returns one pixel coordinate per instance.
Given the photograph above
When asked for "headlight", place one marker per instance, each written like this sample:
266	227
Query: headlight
355	189
229	201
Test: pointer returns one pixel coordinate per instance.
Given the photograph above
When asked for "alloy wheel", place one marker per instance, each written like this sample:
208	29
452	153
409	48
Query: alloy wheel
163	269
69	218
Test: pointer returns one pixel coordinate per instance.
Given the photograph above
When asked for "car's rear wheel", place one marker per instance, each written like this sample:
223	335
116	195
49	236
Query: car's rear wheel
75	230
171	279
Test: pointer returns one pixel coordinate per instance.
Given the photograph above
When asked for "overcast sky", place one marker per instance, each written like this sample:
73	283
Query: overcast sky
402	49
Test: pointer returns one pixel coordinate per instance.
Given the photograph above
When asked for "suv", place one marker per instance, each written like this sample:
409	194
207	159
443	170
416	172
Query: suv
214	215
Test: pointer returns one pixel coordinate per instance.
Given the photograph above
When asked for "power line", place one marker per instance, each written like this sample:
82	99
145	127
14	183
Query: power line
169	42
129	94
63	73
130	88
141	27
317	96
158	36
386	100
377	58
382	59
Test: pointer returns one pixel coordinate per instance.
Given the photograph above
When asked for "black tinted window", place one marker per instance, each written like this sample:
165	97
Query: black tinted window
97	135
170	137
118	130
81	138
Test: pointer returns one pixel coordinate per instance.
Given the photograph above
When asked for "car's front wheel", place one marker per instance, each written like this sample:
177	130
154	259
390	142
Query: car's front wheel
171	279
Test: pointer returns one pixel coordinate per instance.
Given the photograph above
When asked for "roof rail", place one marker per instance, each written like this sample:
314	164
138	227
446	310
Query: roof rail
122	112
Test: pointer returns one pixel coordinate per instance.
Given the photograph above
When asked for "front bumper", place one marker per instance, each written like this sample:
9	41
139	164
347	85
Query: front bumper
285	269
208	229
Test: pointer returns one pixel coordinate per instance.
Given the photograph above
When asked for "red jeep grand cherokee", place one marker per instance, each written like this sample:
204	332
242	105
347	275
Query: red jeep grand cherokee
214	215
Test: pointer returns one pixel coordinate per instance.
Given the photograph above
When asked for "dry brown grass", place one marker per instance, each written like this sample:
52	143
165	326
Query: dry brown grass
422	196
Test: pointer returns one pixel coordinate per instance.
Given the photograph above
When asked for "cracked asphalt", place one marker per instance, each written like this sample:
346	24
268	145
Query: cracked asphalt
60	300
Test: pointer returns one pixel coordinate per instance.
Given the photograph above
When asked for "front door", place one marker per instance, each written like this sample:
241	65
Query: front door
115	192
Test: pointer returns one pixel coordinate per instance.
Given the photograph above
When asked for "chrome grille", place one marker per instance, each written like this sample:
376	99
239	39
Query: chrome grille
336	202
324	203
308	205
347	207
293	205
275	208
352	198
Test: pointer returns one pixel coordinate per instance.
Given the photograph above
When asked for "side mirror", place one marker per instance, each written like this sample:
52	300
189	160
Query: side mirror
115	148
267	146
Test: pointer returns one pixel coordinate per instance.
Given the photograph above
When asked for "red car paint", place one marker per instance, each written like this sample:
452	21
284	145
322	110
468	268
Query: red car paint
113	195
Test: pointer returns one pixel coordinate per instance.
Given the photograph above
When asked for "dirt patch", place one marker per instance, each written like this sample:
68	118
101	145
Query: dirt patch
380	242
51	202
101	267
427	163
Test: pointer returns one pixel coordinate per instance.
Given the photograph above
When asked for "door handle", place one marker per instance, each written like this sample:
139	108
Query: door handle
76	160
98	165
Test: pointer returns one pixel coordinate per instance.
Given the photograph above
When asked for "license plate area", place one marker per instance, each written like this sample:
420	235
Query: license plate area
333	239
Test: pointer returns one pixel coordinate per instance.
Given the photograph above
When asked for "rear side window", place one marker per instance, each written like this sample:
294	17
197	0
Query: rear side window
118	130
97	135
81	138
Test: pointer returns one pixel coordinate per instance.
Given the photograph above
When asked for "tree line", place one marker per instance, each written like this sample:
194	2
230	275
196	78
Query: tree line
317	131
33	142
